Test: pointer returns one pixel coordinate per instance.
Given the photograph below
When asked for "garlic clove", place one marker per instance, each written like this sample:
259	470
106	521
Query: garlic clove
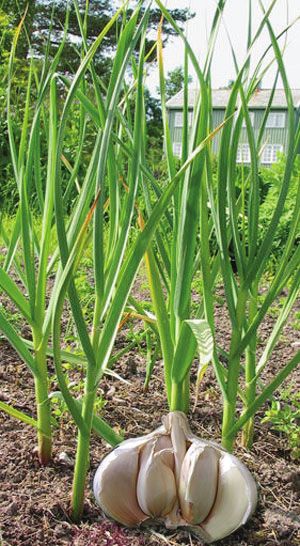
235	501
164	447
176	423
156	487
198	482
115	484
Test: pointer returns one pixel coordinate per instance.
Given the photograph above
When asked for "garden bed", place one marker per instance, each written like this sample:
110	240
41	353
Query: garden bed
34	501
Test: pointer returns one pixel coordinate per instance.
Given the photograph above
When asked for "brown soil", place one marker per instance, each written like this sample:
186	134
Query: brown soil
34	501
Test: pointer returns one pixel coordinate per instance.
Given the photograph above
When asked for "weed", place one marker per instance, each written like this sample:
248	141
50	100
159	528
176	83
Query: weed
284	416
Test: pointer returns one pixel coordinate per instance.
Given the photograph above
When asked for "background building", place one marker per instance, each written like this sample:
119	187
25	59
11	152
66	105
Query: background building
275	139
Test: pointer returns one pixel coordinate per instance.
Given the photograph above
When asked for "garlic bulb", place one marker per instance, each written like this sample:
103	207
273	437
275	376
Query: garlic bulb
173	476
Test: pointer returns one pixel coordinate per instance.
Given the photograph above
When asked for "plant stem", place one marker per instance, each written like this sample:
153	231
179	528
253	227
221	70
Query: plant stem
83	448
43	404
266	393
248	429
228	418
229	408
186	393
250	372
178	402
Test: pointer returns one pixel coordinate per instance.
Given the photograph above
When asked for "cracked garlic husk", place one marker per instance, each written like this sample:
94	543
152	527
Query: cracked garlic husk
173	476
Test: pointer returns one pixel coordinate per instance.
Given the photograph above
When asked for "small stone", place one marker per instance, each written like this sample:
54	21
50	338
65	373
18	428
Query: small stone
110	393
131	365
12	509
63	457
120	401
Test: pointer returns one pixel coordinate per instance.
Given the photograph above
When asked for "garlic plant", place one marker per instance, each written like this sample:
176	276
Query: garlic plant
172	475
156	476
213	233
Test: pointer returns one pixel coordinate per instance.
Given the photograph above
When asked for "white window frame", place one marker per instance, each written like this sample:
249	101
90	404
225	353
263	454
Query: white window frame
270	152
276	120
178	119
243	153
177	149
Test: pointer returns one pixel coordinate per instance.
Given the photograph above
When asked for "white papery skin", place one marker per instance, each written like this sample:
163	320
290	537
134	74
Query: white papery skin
173	476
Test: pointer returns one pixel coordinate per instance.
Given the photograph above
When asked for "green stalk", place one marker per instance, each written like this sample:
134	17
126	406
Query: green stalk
83	447
229	407
186	393
250	370
250	373
227	423
178	402
44	433
84	435
162	319
266	394
130	36
83	418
